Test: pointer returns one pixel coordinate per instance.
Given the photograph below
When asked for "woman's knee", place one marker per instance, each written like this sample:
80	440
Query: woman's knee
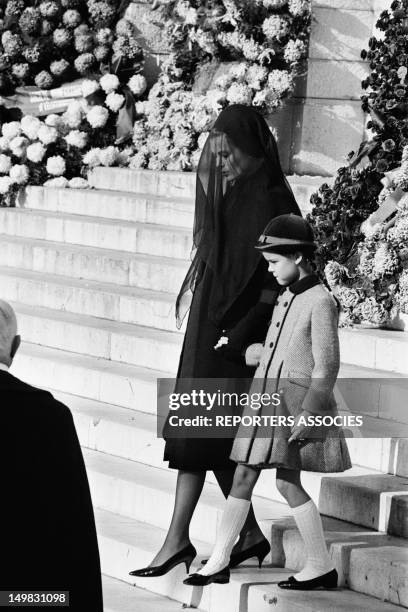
245	478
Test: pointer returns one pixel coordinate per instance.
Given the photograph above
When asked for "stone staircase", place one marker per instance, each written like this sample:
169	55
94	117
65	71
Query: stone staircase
92	275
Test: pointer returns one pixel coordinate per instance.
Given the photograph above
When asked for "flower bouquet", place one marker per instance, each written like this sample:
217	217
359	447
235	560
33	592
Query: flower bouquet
52	42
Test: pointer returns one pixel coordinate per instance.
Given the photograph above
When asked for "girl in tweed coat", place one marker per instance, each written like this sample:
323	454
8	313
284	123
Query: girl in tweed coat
300	360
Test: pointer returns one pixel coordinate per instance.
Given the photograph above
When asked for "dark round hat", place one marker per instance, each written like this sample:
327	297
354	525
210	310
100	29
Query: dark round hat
286	231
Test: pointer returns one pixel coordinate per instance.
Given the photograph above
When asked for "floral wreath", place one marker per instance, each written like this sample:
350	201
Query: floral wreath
266	41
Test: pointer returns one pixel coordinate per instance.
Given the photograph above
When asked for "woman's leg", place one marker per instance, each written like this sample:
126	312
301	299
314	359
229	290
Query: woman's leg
251	533
309	523
188	491
233	519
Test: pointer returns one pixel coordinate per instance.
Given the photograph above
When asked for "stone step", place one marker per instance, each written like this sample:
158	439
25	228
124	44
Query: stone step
377	501
119	596
166	183
126	544
119	342
122	342
99	379
133	435
146	494
108	204
91	298
182	184
89	263
356	5
122	432
134	237
341	538
375	348
387	577
265	597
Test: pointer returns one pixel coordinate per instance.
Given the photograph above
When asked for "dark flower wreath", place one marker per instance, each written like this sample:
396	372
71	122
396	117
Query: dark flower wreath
52	42
339	210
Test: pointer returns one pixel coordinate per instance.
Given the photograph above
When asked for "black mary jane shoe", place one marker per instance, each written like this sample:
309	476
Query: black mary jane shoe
259	550
326	581
221	577
186	555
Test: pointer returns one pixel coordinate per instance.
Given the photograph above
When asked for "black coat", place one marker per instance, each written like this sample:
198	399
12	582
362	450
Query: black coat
47	527
245	323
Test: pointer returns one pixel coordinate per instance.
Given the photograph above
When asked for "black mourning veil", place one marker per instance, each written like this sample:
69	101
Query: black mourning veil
229	217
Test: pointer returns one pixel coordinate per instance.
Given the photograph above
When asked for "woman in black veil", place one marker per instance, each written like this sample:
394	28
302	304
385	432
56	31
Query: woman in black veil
240	187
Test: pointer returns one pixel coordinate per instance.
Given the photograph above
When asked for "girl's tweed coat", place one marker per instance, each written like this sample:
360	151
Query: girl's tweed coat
300	360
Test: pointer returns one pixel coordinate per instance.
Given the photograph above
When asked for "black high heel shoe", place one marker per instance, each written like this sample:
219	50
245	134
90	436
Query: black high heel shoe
327	581
186	555
221	577
259	550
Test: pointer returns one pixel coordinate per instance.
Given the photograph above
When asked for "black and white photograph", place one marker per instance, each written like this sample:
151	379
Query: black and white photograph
204	305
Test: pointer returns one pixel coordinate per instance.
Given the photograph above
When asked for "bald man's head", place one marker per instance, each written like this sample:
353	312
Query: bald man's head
9	340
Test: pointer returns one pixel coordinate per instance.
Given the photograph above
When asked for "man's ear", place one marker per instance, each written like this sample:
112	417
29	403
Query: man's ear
297	257
15	346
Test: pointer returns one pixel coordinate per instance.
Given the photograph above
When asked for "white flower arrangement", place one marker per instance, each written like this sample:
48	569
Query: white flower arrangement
275	27
11	130
56	165
18	146
30	126
97	116
239	93
5	184
89	87
109	156
76	138
298	7
59	182
4	144
35	152
19	173
138	160
137	84
73	115
114	101
47	134
294	51
109	83
92	157
5	163
78	183
280	82
54	120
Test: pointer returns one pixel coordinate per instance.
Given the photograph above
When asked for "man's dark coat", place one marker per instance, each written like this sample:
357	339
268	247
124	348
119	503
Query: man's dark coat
47	527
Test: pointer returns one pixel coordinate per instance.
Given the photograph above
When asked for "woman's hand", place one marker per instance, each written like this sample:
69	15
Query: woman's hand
300	431
253	354
221	342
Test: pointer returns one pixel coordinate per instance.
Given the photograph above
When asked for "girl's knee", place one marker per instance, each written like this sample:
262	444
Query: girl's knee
288	483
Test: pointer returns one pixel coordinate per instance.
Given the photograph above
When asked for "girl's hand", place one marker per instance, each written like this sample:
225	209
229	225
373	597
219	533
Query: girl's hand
253	354
300	431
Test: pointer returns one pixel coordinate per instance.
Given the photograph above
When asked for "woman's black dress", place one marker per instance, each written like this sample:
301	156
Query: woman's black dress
231	287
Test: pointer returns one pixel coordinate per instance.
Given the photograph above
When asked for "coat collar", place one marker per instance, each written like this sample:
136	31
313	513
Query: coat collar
304	284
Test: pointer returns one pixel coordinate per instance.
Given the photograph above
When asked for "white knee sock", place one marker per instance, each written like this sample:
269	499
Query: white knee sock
309	523
233	519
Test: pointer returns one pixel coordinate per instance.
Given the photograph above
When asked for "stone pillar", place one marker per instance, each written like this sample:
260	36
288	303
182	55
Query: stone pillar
330	122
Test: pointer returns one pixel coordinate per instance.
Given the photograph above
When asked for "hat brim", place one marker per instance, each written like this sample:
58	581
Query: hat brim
271	243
